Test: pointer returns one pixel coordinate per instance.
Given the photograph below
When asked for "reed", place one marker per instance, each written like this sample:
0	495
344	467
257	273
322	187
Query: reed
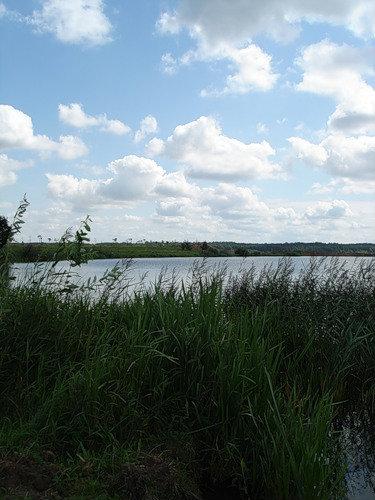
233	381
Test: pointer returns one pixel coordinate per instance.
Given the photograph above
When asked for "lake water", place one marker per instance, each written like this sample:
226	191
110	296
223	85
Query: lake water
146	271
151	268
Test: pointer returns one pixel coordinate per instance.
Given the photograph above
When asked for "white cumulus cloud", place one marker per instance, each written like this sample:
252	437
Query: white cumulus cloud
175	185
253	70
206	152
16	132
131	178
351	157
339	71
74	21
80	192
74	115
236	21
155	147
234	202
148	125
169	63
305	150
182	209
134	177
344	185
9	168
226	29
335	209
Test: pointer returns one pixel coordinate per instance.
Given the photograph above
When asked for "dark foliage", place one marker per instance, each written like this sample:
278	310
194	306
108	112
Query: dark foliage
5	231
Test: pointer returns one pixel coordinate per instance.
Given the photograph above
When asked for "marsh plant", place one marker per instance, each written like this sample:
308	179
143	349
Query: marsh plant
232	382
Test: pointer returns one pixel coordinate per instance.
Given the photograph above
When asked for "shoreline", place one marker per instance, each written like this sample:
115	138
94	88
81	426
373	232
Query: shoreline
143	257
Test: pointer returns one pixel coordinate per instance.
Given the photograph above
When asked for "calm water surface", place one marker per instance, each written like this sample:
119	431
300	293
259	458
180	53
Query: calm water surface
148	270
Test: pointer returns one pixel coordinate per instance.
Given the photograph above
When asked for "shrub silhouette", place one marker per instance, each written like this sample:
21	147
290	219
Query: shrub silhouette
5	231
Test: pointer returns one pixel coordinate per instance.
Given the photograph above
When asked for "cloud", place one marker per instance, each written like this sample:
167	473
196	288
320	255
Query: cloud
350	157
262	128
169	64
347	149
175	185
226	29
222	208
345	186
80	192
335	209
338	71
229	201
226	201
355	186
155	147
237	21
8	169
74	21
305	150
185	210
180	210
253	70
237	211
16	132
3	9
136	179
206	152
185	219
147	126
69	147
73	114
318	188
132	178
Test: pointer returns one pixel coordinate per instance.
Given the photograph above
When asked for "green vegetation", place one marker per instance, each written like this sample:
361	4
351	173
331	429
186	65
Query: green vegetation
215	389
297	248
5	230
179	391
33	252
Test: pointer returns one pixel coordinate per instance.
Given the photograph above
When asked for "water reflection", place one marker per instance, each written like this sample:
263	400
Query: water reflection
140	274
358	444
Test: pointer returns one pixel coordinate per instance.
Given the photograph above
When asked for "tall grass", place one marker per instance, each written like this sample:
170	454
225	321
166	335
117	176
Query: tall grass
240	378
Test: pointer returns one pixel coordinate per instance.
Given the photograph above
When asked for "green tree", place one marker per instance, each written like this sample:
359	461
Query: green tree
5	231
241	251
5	235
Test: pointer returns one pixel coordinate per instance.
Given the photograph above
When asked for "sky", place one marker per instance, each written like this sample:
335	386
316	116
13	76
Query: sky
236	120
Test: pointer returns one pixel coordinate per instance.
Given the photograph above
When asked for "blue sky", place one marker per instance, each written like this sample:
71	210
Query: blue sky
216	120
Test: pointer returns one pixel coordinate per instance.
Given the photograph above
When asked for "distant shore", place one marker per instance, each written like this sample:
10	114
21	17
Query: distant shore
45	251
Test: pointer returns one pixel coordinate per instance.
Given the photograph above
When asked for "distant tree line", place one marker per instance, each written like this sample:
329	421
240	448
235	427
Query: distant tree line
45	250
297	248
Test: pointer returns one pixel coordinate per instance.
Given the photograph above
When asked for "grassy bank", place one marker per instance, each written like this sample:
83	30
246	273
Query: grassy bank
33	252
186	393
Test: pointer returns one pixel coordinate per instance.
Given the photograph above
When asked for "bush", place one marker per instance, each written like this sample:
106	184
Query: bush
242	252
5	231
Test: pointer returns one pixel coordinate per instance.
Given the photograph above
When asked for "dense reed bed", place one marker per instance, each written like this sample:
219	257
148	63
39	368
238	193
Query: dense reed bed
220	385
